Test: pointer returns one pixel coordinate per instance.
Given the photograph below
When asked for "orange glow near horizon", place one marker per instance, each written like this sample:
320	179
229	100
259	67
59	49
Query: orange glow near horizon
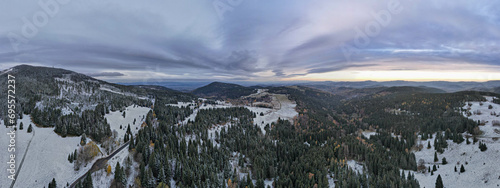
453	76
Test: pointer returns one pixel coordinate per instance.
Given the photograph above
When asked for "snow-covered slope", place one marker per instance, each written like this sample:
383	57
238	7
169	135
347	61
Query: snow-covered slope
46	157
482	169
116	119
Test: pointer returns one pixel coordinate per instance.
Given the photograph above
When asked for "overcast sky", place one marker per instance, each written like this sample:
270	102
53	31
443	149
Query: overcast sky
257	40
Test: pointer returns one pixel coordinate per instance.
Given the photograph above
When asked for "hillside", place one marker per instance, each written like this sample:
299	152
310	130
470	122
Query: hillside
74	103
220	90
412	90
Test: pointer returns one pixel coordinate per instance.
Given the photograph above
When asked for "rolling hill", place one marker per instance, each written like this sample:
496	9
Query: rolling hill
219	90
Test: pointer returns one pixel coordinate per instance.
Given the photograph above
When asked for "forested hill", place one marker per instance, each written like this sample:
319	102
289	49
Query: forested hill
411	90
74	103
220	90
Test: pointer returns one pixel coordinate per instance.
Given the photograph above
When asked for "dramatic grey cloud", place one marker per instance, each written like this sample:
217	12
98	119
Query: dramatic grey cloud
125	40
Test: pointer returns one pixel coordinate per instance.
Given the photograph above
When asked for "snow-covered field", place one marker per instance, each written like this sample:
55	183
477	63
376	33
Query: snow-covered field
183	104
47	157
368	134
116	119
482	169
283	108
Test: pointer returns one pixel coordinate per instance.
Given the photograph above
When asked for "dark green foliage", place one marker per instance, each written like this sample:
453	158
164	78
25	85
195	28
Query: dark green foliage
482	146
120	178
21	126
497	100
87	182
425	112
462	169
435	157
439	144
30	128
443	161
53	183
260	184
439	182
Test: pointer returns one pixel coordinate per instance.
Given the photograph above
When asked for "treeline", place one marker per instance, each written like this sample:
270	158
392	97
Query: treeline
426	113
303	154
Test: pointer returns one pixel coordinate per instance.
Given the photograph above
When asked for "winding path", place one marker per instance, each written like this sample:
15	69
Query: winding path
99	164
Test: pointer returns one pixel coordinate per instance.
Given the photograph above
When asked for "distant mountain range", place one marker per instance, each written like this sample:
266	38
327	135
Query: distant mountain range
490	86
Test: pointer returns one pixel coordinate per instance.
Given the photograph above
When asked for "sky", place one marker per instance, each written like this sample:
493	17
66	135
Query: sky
256	40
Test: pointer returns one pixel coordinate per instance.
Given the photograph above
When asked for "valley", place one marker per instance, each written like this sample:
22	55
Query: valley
228	135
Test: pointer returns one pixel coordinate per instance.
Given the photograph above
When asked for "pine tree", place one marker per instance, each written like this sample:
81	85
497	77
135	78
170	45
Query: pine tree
21	127
434	168
118	173
87	182
128	130
75	155
435	157
162	176
482	146
131	144
260	183
444	161
30	129
53	184
83	140
462	169
64	131
455	168
439	182
429	145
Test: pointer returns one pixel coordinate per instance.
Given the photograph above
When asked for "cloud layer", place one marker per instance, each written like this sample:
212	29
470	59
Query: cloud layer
250	40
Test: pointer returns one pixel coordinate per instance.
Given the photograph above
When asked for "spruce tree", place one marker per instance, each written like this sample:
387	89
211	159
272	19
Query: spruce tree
21	127
53	184
30	128
260	183
482	146
87	182
118	173
439	182
462	169
131	144
435	157
444	161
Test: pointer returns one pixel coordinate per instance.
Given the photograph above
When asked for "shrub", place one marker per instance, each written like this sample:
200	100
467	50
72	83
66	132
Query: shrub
495	123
